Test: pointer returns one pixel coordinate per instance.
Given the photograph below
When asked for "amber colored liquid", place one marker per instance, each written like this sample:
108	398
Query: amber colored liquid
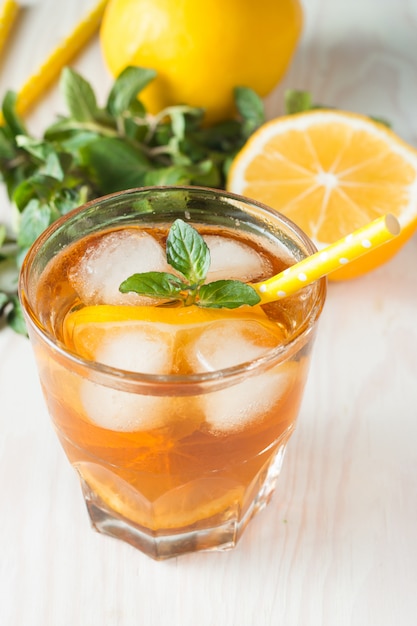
181	474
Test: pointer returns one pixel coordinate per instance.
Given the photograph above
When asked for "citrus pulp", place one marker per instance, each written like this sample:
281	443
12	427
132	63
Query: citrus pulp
331	172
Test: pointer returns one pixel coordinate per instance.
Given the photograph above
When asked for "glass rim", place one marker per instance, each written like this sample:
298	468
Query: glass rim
121	377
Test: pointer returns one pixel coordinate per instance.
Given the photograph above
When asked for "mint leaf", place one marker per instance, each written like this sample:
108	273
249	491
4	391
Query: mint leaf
35	218
229	294
43	151
187	252
127	86
37	187
15	317
79	96
300	101
7	149
250	107
114	164
12	119
381	120
172	175
10	307
155	284
297	101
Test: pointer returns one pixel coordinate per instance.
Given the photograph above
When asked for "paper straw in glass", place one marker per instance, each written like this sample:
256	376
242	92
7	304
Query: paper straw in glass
331	258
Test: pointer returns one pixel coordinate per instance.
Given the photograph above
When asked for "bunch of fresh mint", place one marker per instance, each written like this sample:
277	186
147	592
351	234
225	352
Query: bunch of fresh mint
94	151
98	150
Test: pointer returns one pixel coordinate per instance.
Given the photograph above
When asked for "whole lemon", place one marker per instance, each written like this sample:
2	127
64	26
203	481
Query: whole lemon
201	49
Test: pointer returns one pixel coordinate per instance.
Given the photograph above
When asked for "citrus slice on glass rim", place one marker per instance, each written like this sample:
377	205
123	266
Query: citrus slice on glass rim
331	172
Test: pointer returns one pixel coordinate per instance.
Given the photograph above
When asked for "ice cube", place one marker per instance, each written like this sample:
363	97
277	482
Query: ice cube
228	343
235	407
144	349
231	259
97	275
113	409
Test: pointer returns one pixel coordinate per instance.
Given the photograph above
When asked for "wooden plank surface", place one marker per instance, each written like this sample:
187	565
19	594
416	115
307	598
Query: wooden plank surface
338	544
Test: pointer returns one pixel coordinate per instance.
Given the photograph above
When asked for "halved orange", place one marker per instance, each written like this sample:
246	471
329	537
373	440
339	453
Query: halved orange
331	172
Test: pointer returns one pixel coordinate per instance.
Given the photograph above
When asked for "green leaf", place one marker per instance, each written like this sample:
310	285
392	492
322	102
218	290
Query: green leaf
126	88
7	147
12	119
300	101
135	125
172	175
227	293
187	252
178	124
116	165
205	173
39	149
9	274
155	284
15	317
57	165
250	107
35	218
73	142
70	199
79	96
297	101
69	130
381	120
38	187
52	161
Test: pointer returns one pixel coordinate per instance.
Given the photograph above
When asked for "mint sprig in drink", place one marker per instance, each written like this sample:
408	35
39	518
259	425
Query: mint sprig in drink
188	254
172	389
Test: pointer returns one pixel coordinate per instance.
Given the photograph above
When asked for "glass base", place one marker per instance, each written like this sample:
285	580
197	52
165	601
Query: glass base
219	533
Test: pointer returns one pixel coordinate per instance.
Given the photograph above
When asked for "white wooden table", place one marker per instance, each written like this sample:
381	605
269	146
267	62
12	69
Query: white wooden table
338	544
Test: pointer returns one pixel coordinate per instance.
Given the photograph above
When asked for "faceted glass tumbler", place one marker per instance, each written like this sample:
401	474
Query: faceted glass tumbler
190	472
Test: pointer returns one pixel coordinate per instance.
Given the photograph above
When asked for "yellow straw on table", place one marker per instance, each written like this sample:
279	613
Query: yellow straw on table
8	13
329	259
39	82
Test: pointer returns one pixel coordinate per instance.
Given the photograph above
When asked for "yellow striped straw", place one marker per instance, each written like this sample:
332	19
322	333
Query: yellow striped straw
8	13
329	259
49	71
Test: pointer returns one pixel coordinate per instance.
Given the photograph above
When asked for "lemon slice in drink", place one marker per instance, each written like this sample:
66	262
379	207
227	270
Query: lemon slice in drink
85	329
179	507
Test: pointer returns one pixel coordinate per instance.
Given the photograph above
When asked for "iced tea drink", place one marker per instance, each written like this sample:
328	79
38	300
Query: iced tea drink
175	417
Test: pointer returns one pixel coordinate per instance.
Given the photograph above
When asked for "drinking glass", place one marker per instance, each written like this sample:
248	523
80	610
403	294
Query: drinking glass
173	462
